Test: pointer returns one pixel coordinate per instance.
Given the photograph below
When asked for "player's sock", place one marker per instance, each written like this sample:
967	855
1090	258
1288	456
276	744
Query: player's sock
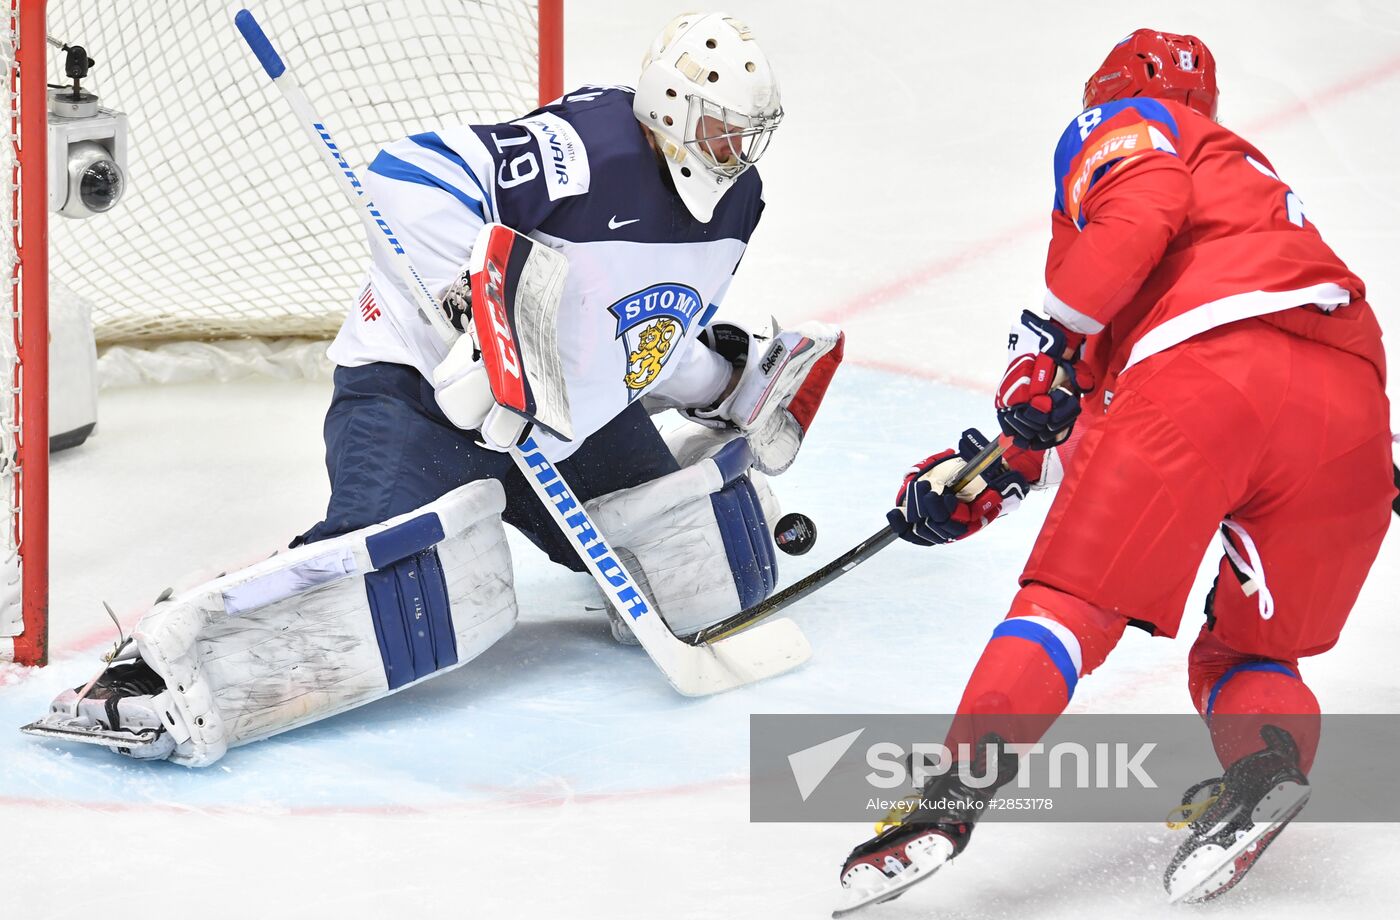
1028	672
1238	694
1259	694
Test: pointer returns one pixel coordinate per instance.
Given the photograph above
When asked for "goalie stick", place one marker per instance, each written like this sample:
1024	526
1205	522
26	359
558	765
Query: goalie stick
692	670
841	564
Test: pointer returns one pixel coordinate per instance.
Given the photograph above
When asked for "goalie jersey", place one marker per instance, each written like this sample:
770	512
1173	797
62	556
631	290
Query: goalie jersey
579	176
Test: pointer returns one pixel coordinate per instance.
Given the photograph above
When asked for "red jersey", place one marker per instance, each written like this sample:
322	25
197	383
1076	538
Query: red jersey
1166	225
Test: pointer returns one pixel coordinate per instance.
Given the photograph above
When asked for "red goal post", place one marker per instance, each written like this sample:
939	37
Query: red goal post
209	241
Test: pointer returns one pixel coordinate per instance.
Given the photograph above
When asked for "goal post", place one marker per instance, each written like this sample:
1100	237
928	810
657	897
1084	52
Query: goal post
551	45
24	548
223	231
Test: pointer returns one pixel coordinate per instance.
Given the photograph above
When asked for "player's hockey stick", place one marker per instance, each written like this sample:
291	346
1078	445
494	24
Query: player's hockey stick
840	565
694	671
858	554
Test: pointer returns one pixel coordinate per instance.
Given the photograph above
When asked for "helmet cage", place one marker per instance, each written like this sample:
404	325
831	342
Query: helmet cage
712	127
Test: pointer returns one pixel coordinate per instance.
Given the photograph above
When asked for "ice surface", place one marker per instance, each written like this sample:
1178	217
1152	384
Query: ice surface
558	775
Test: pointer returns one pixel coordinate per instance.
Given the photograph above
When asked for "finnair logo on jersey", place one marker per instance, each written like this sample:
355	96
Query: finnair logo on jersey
555	145
594	548
565	156
651	323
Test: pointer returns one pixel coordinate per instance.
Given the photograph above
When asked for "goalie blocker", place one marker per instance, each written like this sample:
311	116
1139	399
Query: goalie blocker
505	376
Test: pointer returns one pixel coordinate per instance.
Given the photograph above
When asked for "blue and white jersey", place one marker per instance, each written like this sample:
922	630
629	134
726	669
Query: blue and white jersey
578	175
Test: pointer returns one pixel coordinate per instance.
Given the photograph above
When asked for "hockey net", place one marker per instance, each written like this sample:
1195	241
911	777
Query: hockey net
229	228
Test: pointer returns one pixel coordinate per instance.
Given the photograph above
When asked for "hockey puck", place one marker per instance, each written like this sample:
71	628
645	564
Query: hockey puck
795	533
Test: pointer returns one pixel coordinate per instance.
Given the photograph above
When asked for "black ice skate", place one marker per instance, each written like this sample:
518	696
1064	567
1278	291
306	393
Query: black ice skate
120	709
920	842
1234	817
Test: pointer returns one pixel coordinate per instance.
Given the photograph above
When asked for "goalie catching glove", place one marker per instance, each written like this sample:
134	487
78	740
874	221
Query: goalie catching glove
1038	400
781	383
925	511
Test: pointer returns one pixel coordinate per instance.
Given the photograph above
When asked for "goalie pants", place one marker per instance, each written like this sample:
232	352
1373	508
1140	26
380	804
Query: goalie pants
1281	444
389	449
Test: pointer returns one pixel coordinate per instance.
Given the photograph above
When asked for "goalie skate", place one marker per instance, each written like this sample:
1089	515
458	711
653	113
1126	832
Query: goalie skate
120	710
143	743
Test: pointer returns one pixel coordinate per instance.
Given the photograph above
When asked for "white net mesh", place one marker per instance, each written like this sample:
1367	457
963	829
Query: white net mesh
230	226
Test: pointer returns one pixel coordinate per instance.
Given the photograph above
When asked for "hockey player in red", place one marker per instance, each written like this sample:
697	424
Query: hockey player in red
1222	373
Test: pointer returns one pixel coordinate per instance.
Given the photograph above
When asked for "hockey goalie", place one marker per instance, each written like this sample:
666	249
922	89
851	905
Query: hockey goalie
651	198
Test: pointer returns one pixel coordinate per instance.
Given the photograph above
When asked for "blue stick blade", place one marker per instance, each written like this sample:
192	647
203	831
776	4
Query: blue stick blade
257	40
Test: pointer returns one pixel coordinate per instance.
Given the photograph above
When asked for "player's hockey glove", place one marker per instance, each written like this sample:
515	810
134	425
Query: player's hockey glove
781	383
925	511
1038	400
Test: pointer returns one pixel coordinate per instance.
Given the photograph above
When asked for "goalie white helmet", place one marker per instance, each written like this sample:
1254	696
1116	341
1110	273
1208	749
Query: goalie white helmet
710	99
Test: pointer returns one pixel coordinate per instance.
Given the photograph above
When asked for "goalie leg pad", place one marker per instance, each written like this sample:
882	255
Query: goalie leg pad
330	626
412	614
698	539
748	546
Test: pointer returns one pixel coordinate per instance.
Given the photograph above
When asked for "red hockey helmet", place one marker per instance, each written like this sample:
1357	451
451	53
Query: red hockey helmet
1159	65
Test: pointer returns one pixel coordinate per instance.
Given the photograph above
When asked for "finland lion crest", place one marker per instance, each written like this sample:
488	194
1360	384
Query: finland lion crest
651	324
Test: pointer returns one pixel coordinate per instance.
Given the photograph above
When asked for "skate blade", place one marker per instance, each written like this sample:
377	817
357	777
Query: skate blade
1220	871
87	733
924	863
